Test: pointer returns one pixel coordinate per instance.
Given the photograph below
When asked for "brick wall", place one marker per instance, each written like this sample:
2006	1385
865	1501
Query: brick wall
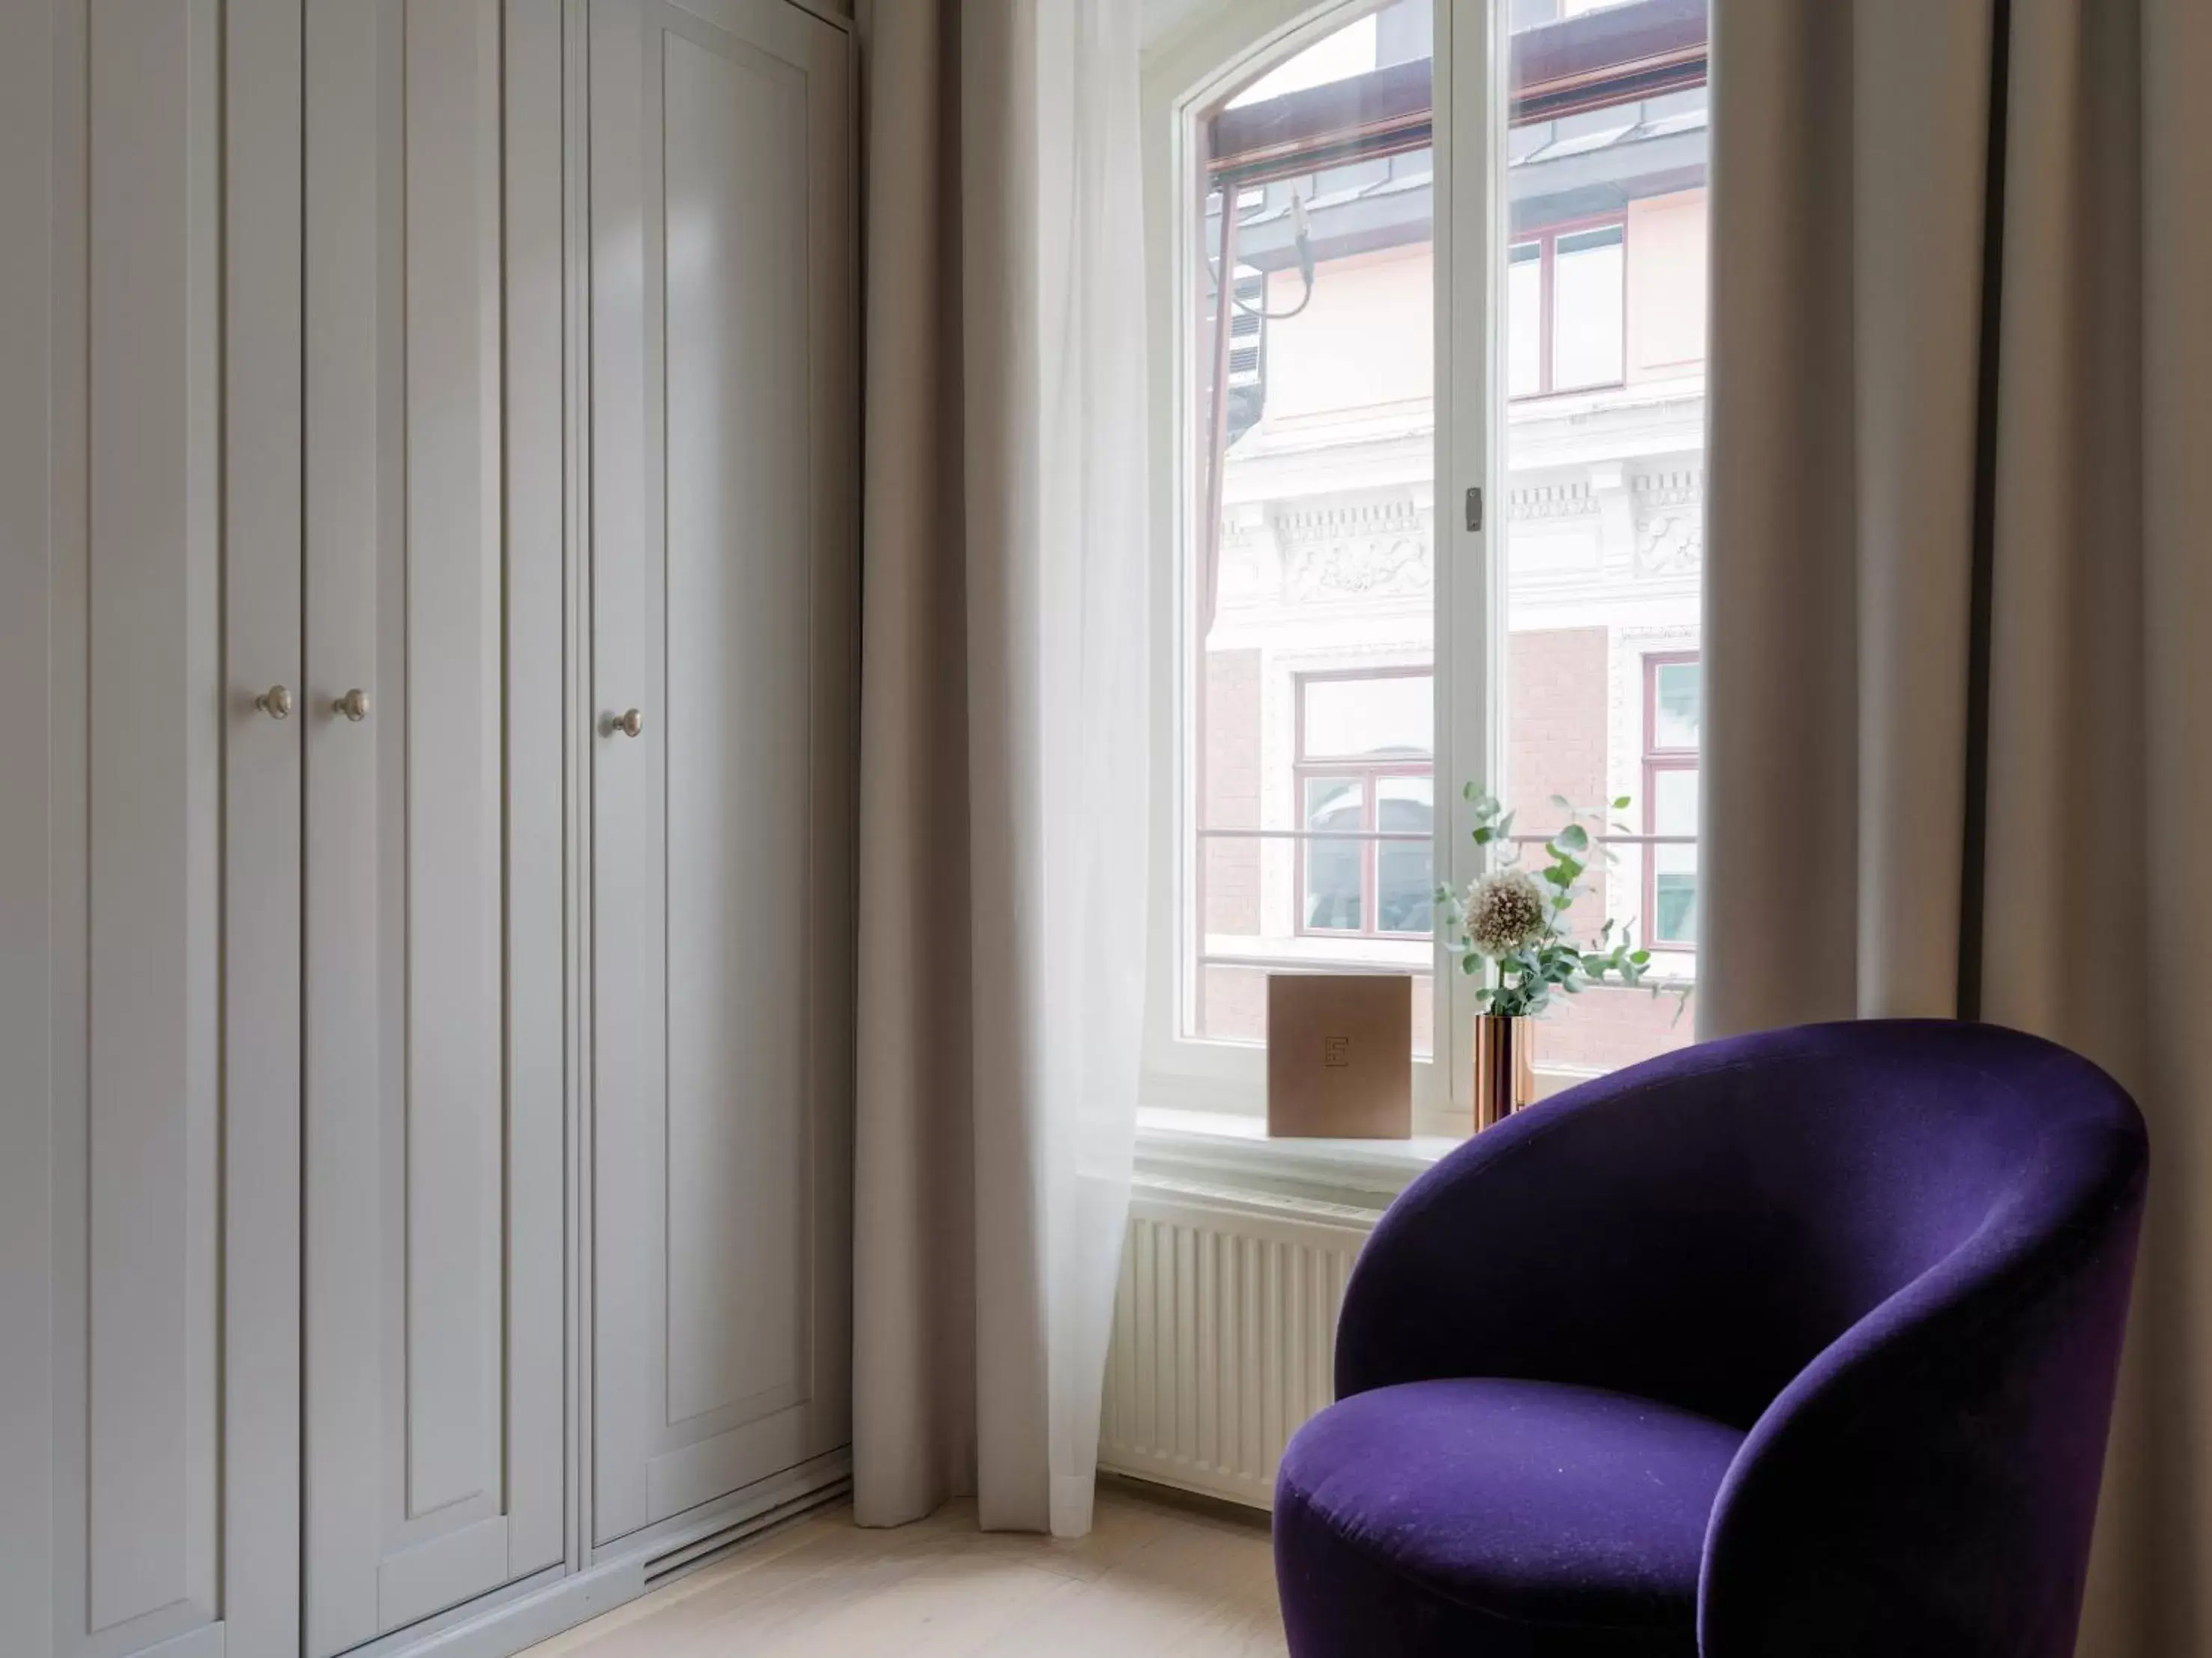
1604	1029
1555	721
1555	727
1235	1001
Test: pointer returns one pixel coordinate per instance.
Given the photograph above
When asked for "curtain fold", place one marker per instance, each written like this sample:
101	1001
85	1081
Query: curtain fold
1958	721
1005	661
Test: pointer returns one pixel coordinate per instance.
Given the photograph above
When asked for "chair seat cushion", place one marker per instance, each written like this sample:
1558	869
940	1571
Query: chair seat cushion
1483	1516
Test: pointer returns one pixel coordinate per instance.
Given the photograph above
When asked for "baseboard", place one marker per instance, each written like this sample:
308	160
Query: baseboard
1184	1500
542	1607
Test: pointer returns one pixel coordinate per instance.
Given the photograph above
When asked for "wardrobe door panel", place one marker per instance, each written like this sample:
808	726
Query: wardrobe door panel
725	614
736	643
171	843
154	834
434	1298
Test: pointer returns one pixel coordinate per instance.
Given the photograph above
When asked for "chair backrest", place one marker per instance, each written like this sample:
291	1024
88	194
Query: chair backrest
1698	1228
1853	1158
1966	1202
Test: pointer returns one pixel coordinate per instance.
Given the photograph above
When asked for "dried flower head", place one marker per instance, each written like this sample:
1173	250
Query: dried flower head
1505	913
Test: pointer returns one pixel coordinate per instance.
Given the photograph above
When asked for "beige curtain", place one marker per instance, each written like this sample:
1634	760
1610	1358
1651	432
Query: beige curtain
1003	773
1959	630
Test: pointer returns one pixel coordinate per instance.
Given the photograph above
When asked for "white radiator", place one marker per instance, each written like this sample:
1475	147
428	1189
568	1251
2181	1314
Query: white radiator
1225	1326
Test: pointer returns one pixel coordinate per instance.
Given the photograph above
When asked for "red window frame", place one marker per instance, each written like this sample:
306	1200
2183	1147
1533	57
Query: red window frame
1547	240
1656	759
1369	773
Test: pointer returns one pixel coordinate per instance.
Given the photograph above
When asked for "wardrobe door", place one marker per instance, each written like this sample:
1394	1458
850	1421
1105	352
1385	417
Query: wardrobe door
433	941
163	1076
724	468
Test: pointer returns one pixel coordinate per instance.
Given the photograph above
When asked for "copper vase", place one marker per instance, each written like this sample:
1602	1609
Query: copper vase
1504	1067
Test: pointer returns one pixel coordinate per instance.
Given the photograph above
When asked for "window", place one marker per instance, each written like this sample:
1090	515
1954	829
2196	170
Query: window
1347	645
1310	483
1565	305
1364	768
1672	690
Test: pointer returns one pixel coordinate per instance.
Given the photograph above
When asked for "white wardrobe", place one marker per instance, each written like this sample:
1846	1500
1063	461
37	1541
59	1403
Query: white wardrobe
428	606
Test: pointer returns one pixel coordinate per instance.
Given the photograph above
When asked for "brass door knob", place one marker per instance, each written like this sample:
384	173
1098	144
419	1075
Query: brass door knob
628	723
276	702
354	706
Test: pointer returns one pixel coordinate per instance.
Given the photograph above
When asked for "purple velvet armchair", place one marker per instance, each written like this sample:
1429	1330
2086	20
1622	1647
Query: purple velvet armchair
1794	1345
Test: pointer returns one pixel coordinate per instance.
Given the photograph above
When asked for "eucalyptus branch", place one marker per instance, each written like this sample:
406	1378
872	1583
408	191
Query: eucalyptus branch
1511	922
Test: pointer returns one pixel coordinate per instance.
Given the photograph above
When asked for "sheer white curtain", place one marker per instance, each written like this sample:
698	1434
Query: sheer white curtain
1003	770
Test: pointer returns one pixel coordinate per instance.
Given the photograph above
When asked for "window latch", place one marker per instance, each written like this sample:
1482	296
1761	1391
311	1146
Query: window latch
1475	507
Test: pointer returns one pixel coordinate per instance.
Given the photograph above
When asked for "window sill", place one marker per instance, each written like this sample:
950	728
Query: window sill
1232	1154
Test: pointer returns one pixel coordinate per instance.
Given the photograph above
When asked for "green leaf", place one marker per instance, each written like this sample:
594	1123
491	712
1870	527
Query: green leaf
1639	957
1483	837
1574	837
1620	803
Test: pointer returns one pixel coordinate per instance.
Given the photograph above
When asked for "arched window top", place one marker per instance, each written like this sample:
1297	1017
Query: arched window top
1360	90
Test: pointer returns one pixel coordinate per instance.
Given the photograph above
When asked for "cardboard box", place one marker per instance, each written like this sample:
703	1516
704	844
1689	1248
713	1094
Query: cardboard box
1340	1056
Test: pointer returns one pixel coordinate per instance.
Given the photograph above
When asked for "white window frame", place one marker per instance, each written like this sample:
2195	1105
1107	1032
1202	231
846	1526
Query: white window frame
1183	74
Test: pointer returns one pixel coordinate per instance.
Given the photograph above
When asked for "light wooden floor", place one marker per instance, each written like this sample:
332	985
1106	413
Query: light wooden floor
1153	1578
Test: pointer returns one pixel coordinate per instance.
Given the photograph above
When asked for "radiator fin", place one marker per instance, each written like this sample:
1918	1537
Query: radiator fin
1223	1330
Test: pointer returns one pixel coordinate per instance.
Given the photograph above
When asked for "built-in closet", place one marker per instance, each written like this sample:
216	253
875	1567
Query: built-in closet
428	892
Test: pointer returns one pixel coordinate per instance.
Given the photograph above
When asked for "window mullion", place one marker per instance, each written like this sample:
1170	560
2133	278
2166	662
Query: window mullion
1470	235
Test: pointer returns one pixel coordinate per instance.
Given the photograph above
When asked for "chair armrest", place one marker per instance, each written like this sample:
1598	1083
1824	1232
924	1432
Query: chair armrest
1926	1487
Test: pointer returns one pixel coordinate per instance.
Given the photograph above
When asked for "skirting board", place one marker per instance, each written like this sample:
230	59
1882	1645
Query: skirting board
1224	1327
542	1607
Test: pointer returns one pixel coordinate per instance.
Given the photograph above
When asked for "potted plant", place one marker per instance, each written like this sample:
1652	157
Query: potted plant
1510	927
